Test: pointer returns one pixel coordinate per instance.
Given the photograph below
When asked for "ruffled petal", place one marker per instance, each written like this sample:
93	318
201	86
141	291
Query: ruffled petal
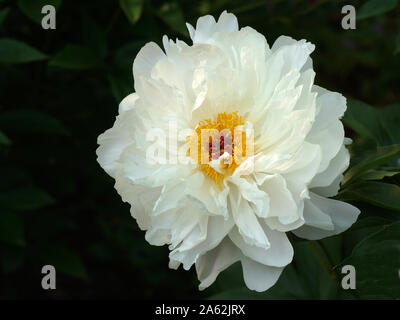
206	27
283	209
247	222
187	253
113	141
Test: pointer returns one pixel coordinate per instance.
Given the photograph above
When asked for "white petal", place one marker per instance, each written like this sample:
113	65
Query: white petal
140	198
330	107
279	254
210	264
146	59
246	220
217	229
172	196
259	277
336	166
330	140
128	102
206	27
250	191
295	53
343	215
159	232
331	190
227	22
282	205
173	264
299	171
315	217
206	194
113	141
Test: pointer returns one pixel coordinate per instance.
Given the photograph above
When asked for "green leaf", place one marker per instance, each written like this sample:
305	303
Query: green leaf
93	36
375	7
11	228
75	57
64	260
25	198
360	230
13	51
378	174
132	9
3	14
33	8
317	282
171	13
377	263
389	118
4	140
380	194
375	159
31	120
361	117
379	125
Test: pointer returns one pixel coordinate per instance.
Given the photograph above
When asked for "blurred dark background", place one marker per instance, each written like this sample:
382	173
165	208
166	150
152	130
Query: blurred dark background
59	89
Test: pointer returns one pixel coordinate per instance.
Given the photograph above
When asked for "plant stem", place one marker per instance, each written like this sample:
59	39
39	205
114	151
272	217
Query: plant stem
324	265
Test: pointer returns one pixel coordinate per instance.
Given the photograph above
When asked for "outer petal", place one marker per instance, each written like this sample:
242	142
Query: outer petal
259	277
140	198
327	130
330	140
330	107
146	59
206	27
217	229
342	214
294	52
315	217
331	190
336	166
299	171
209	265
115	140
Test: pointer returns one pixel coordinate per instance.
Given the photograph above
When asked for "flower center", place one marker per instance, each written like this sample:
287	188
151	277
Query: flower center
218	146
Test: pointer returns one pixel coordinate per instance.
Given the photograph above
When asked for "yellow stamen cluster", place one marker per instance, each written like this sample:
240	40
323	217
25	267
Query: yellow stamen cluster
223	131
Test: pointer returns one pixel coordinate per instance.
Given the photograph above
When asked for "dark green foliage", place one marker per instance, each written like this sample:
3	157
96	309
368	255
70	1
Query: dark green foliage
60	89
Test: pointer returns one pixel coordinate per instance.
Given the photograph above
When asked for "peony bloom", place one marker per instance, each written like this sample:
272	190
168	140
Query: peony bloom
215	214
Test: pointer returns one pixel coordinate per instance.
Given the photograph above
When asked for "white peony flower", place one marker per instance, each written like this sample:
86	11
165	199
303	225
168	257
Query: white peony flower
213	215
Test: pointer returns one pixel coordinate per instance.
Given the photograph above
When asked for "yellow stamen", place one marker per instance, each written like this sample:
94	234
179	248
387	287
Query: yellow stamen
222	133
